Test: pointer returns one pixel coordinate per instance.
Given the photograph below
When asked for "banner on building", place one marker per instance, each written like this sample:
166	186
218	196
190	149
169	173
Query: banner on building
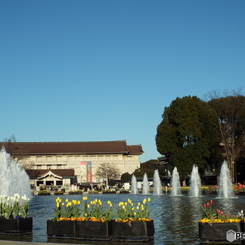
89	172
83	166
86	171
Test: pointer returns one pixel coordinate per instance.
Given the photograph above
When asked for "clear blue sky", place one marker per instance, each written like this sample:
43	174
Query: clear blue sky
101	70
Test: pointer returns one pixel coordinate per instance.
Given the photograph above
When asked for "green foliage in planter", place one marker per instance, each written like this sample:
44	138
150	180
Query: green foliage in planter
44	192
11	207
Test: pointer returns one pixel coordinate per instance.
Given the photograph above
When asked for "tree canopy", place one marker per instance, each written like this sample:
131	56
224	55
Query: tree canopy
107	171
230	114
188	135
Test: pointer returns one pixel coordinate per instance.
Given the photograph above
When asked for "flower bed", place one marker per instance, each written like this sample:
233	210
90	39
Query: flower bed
44	193
13	214
215	224
76	192
97	221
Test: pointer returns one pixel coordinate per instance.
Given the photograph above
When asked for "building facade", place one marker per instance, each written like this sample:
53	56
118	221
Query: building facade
60	163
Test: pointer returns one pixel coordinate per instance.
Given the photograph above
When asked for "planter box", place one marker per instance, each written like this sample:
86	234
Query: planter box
124	192
16	225
216	231
184	192
93	230
86	230
64	228
75	193
44	194
135	231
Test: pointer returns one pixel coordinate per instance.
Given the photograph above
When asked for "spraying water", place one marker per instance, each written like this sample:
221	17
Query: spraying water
225	189
195	184
157	183
175	183
13	178
145	188
134	189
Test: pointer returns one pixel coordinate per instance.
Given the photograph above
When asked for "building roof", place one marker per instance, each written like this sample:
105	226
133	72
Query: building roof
93	147
40	172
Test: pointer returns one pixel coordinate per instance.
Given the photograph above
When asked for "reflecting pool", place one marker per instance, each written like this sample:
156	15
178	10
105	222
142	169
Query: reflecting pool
175	217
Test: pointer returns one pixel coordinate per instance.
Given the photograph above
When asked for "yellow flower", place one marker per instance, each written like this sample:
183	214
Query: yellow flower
58	199
149	199
85	198
66	200
144	201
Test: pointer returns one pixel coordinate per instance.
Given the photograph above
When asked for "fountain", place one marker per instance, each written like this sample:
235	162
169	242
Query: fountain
195	182
134	188
13	179
157	183
175	183
225	189
145	187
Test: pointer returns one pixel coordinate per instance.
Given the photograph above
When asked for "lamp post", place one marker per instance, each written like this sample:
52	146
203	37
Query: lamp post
106	176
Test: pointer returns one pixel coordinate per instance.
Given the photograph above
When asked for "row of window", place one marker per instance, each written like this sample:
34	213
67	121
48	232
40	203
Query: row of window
77	158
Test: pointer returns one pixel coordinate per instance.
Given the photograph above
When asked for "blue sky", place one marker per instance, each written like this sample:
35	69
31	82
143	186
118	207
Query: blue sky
93	70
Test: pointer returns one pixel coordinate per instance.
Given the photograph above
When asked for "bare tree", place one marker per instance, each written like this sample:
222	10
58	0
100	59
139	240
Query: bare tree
13	148
230	112
107	171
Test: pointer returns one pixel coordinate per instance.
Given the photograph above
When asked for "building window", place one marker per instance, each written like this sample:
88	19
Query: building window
39	183
39	159
70	159
58	182
49	159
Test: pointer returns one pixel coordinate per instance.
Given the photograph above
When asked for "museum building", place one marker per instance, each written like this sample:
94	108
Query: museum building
67	163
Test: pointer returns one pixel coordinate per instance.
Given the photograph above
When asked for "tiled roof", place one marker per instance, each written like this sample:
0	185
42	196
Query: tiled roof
135	149
93	147
39	172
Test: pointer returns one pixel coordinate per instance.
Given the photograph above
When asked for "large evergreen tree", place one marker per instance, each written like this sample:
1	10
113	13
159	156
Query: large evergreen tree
187	135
